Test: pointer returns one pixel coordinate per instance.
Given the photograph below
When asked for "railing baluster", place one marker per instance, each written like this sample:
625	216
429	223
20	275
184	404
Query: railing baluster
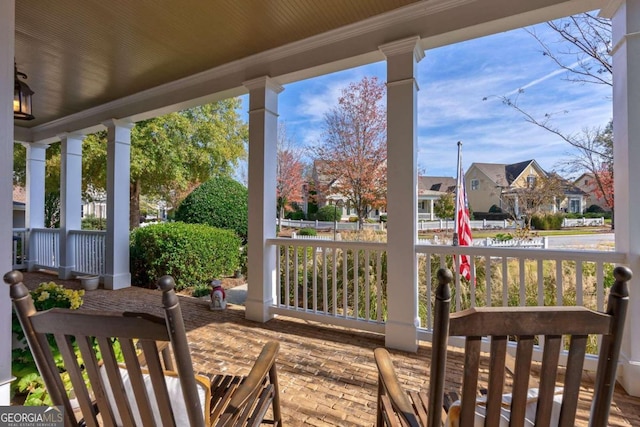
579	284
367	289
324	280
345	283
356	290
523	294
487	279
379	308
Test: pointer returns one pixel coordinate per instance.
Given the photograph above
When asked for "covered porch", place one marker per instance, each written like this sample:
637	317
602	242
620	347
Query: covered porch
397	32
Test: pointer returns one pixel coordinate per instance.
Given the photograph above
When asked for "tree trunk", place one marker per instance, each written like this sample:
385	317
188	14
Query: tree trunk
134	205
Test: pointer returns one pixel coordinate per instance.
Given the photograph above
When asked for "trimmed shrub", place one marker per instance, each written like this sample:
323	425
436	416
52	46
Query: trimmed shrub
295	215
220	202
192	253
495	209
595	209
308	231
328	213
547	222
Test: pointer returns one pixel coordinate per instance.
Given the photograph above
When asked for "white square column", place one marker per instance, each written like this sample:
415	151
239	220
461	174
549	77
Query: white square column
7	42
70	199
402	193
263	131
118	274
626	154
36	158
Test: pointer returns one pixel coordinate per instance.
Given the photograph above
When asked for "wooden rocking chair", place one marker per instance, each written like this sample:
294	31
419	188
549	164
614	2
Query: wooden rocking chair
544	406
140	389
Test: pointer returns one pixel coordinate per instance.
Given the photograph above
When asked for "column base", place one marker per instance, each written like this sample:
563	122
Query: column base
120	281
258	310
5	392
65	273
401	336
629	376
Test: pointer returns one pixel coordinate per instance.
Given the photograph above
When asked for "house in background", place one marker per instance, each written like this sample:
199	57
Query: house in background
19	207
587	183
490	184
430	189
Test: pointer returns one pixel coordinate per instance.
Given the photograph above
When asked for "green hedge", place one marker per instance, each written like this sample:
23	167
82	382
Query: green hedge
308	231
547	222
192	253
220	202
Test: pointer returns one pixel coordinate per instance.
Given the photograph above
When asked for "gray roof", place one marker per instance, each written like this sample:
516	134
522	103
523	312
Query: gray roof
503	174
442	184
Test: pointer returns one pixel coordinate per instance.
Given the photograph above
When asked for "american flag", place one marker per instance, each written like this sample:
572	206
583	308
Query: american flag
463	224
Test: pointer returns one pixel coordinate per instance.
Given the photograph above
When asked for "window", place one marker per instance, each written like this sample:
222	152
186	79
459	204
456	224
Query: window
531	181
574	205
475	184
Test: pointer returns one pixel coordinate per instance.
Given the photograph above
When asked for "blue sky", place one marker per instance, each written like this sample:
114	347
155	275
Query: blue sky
453	81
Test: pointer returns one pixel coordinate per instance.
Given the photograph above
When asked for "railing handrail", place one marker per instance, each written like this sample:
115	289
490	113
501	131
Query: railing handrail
340	244
530	253
88	232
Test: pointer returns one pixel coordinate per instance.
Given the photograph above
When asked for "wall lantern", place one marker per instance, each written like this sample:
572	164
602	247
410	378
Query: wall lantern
21	97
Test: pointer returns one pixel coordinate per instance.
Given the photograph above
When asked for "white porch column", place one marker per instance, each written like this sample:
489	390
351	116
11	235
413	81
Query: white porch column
626	153
402	193
431	213
36	158
7	42
263	129
70	199
118	274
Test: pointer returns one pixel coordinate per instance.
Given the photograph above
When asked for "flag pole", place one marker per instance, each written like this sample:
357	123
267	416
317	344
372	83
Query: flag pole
455	217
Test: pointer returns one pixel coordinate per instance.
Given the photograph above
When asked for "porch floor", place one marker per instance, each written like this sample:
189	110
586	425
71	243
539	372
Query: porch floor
327	374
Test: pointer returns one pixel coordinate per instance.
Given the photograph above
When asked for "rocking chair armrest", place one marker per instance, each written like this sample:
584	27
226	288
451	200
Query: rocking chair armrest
259	372
390	384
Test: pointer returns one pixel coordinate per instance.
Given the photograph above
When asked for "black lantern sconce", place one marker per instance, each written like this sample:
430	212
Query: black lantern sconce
21	97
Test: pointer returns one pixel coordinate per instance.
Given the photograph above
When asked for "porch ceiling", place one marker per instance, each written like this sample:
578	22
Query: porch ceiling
86	55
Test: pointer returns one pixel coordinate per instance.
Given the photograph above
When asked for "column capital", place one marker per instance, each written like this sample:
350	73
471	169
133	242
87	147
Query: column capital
71	135
398	47
126	124
43	145
263	82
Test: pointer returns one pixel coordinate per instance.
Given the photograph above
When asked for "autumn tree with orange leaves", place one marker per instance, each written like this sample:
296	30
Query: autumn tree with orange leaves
353	156
290	172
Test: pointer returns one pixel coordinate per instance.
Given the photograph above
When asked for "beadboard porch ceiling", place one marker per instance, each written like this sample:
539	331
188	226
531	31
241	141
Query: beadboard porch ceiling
86	55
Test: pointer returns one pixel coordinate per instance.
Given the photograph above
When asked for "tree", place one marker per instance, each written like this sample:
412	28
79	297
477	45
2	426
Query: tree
290	176
353	156
585	41
173	154
445	206
536	197
605	179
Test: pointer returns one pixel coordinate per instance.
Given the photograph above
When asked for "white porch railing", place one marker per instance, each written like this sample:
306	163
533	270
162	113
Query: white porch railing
44	248
90	251
344	283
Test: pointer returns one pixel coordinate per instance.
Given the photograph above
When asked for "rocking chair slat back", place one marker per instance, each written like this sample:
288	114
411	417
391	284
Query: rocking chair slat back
554	327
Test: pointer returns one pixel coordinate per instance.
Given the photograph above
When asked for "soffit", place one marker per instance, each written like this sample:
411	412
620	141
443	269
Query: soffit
79	54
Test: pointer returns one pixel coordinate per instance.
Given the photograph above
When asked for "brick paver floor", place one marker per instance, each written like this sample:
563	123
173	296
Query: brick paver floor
327	374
